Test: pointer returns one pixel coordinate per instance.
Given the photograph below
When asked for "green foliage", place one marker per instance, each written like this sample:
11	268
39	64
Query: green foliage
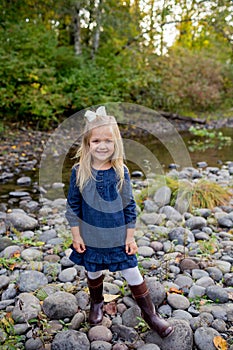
208	139
43	80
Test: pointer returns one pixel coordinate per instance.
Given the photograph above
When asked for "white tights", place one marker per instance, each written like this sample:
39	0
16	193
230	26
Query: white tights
132	275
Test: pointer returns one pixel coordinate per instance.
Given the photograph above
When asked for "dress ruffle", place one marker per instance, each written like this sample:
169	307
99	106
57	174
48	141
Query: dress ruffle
112	259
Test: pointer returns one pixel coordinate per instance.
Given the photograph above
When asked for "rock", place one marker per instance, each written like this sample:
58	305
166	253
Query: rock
151	219
196	291
217	294
150	206
162	196
184	282
27	307
67	275
204	212
19	194
125	333
130	316
181	314
29	281
203	338
24	180
82	299
224	266
70	339
181	338
10	292
202	165
181	236
47	235
60	305
197	274
77	320
225	221
171	213
145	251
205	282
100	333
21	328
5	242
215	273
178	301
219	325
149	347
30	254
188	264
34	344
11	251
22	221
196	222
100	345
157	290
4	282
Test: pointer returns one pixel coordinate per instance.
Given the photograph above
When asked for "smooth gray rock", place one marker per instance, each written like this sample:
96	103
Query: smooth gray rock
171	213
99	333
151	218
130	316
215	273
26	308
24	180
156	290
10	292
4	281
68	275
181	236
181	338
100	345
145	251
29	281
128	334
149	347
22	221
72	340
77	320
217	294
34	344
196	222
203	338
225	221
178	301
5	242
162	196
196	291
47	235
60	305
30	254
184	281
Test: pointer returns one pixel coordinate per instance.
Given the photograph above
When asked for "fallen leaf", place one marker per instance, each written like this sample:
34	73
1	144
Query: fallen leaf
110	308
175	290
13	147
12	266
220	343
110	297
16	254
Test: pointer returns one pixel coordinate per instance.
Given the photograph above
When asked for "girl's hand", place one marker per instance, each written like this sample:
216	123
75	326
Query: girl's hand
79	245
131	247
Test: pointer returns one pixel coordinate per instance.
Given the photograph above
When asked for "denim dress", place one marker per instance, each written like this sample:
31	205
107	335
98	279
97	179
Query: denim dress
103	214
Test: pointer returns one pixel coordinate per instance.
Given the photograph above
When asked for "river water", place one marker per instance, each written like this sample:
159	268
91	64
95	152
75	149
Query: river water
214	156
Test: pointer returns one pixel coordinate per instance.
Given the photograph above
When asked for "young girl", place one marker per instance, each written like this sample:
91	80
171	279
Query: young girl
101	212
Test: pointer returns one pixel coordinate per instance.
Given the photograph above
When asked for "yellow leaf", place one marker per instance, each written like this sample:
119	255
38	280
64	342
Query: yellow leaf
13	147
110	297
220	343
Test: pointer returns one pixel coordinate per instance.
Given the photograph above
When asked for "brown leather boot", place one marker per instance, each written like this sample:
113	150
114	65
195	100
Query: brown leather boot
155	321
97	300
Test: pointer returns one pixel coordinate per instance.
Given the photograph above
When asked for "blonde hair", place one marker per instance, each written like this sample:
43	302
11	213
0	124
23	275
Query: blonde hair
84	172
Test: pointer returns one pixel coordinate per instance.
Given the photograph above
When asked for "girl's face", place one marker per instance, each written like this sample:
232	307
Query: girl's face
101	145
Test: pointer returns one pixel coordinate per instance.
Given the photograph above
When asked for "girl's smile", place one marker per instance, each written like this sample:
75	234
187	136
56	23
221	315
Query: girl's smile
101	145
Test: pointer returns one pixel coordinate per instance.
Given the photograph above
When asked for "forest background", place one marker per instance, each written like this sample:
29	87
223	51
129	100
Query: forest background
60	56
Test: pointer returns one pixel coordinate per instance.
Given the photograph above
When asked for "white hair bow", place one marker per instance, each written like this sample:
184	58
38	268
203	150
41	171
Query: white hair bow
100	112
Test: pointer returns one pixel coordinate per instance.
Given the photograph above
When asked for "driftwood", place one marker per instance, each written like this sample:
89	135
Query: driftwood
176	116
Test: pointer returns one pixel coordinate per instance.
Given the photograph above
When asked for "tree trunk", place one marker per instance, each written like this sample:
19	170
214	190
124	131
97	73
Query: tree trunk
77	30
96	34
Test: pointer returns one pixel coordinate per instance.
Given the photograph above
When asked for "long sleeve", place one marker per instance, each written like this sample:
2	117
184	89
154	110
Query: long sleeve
73	207
128	201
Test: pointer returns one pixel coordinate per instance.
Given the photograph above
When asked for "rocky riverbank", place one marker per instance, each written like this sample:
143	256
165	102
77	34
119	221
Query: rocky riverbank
185	257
